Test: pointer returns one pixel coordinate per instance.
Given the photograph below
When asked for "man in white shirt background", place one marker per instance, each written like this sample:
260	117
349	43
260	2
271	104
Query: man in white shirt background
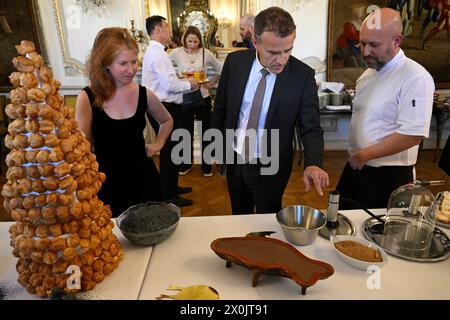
391	114
159	75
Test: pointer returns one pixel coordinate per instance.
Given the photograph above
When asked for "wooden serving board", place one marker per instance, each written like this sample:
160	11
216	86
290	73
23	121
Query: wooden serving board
271	256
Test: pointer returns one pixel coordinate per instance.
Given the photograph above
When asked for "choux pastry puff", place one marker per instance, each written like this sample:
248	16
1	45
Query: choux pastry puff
52	185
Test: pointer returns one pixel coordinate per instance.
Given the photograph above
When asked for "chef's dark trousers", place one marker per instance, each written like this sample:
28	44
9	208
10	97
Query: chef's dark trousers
444	161
168	171
371	186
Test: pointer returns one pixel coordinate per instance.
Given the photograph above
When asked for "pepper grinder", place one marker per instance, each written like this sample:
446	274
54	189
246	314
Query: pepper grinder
332	213
337	224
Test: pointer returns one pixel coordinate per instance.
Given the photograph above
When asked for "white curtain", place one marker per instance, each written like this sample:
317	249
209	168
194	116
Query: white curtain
158	7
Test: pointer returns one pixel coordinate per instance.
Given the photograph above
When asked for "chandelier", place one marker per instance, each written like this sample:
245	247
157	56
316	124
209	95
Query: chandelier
87	5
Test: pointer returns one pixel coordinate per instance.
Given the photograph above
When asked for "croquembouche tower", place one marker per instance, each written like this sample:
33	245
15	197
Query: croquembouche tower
52	187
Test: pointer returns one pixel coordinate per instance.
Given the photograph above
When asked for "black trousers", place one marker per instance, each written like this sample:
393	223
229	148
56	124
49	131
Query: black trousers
168	171
371	186
202	114
444	161
248	190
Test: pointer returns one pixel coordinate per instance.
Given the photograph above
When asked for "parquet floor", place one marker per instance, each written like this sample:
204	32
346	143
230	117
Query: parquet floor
210	195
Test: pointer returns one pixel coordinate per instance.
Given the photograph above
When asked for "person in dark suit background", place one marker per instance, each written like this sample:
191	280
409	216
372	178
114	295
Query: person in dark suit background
289	99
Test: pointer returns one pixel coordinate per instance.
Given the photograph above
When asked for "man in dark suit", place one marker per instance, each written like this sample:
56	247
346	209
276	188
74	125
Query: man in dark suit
286	90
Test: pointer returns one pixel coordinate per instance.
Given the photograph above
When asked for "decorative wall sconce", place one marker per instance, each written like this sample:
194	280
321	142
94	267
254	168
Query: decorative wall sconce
141	40
222	17
224	22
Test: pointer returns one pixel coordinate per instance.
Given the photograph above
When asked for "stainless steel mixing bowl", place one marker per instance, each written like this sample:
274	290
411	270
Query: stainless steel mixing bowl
301	224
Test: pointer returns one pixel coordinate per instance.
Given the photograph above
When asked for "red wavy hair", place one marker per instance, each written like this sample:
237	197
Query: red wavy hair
108	43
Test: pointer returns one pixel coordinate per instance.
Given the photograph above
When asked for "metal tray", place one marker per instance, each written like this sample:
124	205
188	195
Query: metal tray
346	227
440	246
442	224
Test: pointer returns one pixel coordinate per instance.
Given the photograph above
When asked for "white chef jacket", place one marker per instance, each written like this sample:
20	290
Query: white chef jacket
396	99
158	74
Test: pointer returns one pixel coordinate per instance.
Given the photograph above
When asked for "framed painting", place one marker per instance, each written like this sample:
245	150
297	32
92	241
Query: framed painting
19	20
4	121
425	31
175	8
3	116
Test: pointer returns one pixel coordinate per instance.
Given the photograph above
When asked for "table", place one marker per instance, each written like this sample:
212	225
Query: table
186	259
123	283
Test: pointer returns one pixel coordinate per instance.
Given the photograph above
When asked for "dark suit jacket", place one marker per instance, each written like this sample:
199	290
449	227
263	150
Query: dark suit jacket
294	102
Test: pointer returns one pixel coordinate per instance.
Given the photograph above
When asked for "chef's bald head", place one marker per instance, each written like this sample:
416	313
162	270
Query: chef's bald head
380	37
386	20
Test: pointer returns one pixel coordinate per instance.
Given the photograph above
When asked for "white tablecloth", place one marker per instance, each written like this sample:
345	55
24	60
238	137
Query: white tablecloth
123	283
186	259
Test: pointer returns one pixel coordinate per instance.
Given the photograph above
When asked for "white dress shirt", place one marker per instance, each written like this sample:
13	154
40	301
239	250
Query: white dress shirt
158	74
192	62
396	99
244	113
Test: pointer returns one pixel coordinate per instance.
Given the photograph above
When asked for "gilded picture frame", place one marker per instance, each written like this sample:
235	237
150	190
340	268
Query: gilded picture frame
174	9
421	22
19	20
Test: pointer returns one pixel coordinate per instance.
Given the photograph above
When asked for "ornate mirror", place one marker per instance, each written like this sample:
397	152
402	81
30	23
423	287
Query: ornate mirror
197	14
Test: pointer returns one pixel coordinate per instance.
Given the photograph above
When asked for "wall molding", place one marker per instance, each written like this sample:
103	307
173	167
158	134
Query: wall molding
72	66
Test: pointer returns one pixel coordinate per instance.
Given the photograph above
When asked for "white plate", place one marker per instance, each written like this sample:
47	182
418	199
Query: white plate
358	263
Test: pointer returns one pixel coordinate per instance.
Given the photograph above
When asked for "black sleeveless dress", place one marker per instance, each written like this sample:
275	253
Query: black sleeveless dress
131	177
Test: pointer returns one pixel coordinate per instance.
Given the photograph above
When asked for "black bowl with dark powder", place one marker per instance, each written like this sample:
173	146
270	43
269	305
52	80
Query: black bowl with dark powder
149	224
7	290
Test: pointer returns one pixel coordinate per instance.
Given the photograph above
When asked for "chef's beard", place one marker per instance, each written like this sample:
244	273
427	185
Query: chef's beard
248	38
374	63
379	62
